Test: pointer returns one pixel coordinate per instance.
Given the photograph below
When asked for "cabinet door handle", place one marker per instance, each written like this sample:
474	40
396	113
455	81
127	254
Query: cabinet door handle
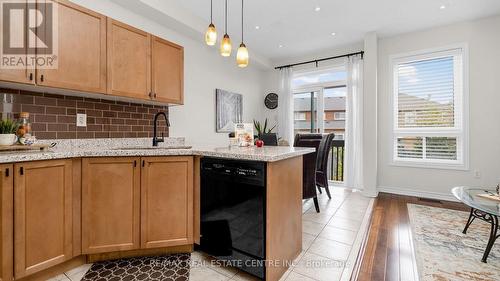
31	76
21	171
150	95
135	163
41	78
143	163
7	172
154	95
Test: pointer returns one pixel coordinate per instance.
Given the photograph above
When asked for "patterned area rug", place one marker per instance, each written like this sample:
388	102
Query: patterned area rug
444	253
165	268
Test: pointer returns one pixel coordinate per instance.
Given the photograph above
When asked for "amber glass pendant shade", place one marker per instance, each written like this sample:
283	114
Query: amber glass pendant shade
225	46
211	35
242	56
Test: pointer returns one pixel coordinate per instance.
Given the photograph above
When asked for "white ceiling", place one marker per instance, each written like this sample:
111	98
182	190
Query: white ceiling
301	30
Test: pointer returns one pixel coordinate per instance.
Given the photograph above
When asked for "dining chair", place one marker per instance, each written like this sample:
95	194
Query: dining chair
322	163
309	165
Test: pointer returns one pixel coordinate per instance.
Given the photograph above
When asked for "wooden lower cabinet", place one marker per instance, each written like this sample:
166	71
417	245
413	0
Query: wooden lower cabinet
166	201
43	224
6	223
110	204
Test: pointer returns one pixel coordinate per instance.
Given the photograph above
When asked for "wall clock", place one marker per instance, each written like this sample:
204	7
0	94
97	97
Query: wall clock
271	101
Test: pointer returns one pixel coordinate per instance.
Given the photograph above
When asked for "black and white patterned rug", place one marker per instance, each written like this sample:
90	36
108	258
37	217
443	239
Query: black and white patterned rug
164	268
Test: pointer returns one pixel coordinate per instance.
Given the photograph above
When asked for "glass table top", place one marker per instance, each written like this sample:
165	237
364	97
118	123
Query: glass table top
469	196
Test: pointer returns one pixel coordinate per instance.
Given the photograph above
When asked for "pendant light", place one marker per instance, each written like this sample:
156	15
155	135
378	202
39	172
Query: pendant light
211	34
242	55
225	44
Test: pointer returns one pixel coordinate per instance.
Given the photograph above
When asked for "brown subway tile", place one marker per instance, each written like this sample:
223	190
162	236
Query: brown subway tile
101	135
85	104
44	118
123	115
66	103
54	116
57	127
45	101
114	107
39	127
101	106
33	108
55	110
85	135
94	128
45	135
66	135
118	121
116	135
109	114
66	119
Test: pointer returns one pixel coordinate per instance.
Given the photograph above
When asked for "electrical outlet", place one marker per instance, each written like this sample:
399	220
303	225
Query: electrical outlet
477	174
81	120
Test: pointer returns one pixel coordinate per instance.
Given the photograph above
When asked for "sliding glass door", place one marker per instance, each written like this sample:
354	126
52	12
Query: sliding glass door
319	102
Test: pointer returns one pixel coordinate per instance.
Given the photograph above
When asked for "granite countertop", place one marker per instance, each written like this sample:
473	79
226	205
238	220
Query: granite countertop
142	147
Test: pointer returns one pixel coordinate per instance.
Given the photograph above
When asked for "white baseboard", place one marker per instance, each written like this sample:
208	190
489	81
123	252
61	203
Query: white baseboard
417	193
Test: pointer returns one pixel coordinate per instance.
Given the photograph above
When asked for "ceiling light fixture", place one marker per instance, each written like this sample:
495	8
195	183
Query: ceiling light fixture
333	33
225	45
317	9
442	7
211	34
242	54
257	27
280	46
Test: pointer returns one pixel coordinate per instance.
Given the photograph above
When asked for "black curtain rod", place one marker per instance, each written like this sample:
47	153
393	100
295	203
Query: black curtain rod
319	60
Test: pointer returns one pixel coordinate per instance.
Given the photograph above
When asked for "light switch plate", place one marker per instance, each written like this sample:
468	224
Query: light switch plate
81	120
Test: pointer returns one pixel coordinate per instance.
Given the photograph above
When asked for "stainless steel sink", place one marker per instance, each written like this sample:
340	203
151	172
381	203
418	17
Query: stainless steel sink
153	147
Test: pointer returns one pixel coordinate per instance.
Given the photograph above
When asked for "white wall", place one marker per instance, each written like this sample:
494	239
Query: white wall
483	39
204	71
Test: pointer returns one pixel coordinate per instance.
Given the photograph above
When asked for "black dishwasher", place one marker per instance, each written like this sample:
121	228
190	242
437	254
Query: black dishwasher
233	211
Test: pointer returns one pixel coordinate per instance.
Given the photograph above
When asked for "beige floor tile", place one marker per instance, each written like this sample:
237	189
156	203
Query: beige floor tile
294	276
319	268
357	214
243	276
338	234
76	274
345	223
312	228
199	259
330	249
307	240
317	217
206	274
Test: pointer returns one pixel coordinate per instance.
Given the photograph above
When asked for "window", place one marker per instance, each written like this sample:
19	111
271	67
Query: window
339	115
429	112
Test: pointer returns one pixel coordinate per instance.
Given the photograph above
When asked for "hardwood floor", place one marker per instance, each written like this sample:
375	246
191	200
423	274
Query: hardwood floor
389	252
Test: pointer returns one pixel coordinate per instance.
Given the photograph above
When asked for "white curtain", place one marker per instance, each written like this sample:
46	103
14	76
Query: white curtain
354	126
285	105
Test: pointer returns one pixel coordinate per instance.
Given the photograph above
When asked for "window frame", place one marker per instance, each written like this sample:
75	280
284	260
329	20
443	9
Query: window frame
461	105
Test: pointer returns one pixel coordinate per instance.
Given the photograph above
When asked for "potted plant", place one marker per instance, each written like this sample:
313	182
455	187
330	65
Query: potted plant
8	130
262	129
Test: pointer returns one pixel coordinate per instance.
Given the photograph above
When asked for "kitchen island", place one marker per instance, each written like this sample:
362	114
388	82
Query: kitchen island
111	198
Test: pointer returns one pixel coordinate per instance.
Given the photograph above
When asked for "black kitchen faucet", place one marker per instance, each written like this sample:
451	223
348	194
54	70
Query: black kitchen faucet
156	140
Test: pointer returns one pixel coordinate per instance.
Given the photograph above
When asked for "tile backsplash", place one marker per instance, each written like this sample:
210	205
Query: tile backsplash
54	116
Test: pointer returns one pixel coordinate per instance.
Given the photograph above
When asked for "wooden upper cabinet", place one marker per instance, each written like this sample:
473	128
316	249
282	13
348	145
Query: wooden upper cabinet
110	204
6	223
42	215
129	61
167	71
81	52
167	201
25	75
